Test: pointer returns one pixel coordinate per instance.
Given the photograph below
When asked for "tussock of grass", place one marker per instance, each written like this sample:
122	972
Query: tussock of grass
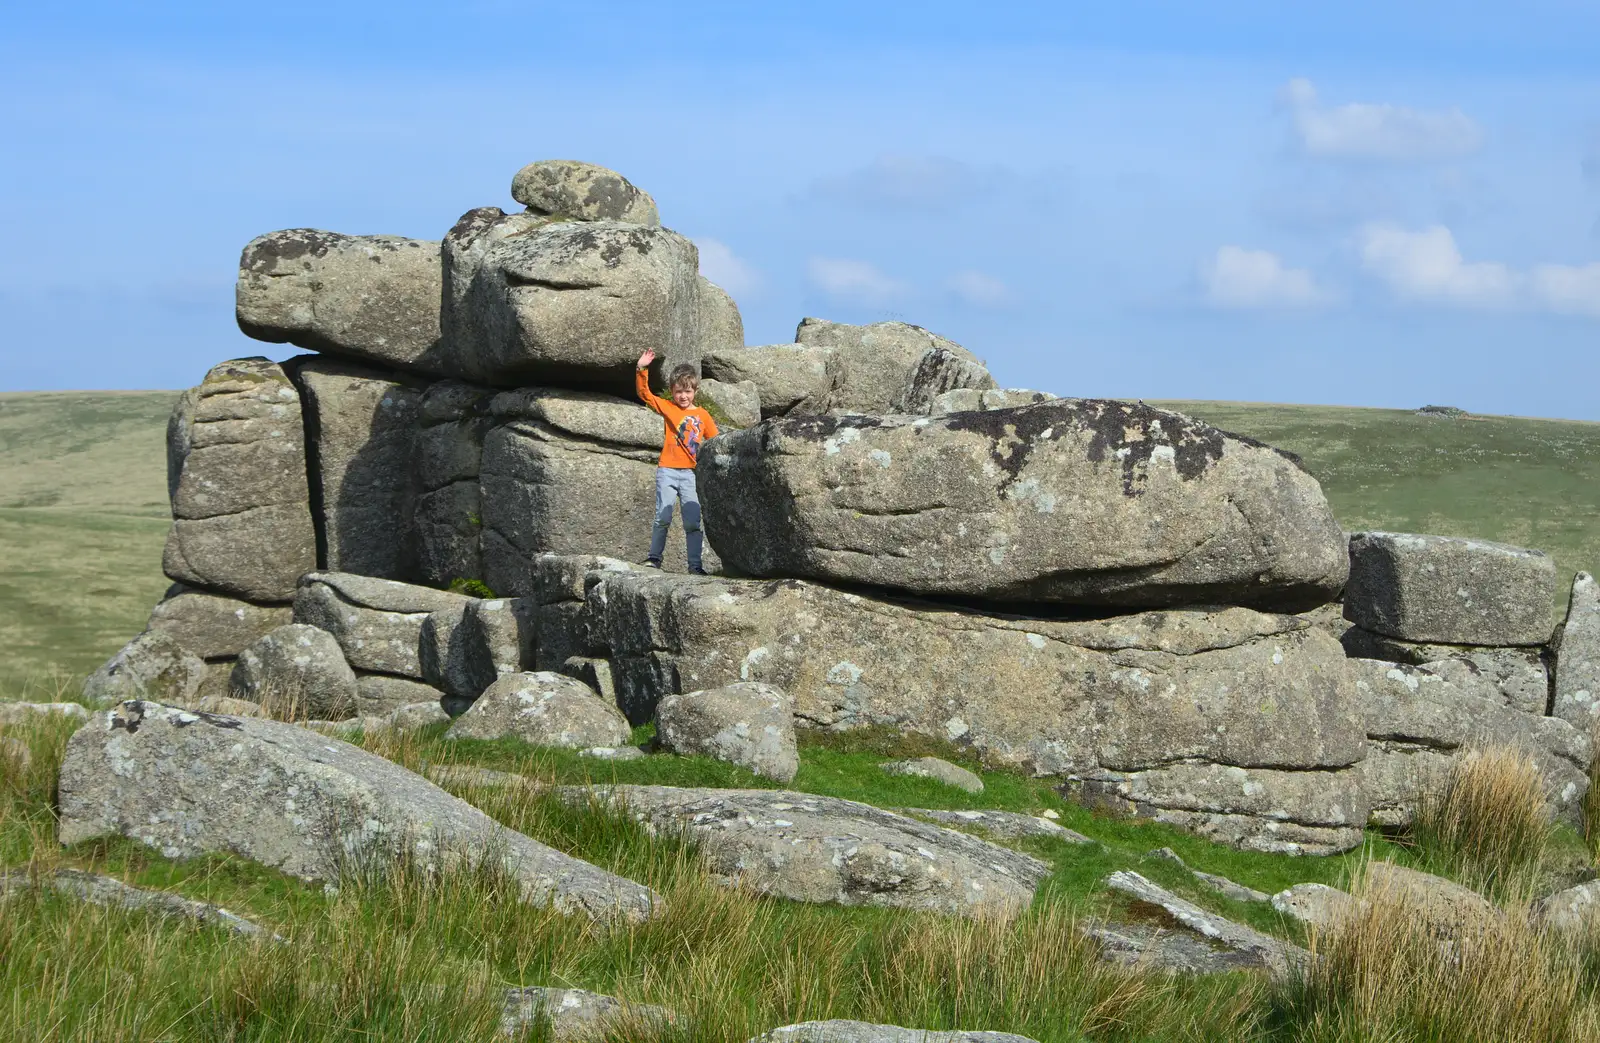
1385	974
1485	821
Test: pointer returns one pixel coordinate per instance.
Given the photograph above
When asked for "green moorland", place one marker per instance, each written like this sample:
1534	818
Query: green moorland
399	954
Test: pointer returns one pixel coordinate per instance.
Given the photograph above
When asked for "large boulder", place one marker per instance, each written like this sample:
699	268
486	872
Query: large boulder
296	672
151	666
731	405
568	472
1418	724
582	192
746	723
448	516
788	377
939	371
721	327
313	807
236	475
1577	654
1074	501
1515	674
1144	702
870	368
536	300
1449	590
213	626
377	622
542	709
362	427
810	848
368	297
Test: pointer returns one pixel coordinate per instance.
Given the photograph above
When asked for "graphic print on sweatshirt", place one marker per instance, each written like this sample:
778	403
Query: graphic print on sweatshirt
690	436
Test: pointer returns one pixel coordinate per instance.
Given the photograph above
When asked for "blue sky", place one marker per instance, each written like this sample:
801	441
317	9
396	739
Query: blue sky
1361	203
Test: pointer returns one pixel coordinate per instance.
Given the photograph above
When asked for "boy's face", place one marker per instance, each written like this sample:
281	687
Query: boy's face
683	396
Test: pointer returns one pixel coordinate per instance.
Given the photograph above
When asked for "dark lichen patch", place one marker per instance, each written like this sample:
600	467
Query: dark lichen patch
816	428
1128	432
265	254
474	223
610	197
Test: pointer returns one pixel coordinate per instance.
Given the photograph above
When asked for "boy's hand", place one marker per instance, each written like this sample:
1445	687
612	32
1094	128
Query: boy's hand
647	358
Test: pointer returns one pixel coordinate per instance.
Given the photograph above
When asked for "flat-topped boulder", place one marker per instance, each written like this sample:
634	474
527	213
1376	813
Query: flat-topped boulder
1449	590
542	709
809	848
789	378
1139	707
1515	674
310	806
236	476
373	298
745	723
1074	501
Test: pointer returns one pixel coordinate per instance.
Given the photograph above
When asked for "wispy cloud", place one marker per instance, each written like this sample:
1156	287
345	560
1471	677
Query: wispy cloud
928	184
855	282
1240	278
980	290
1427	265
727	269
1382	131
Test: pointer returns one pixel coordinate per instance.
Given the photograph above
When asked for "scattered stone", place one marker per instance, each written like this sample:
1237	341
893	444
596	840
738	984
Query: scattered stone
1444	905
1449	590
1220	884
613	753
942	370
837	1031
1110	703
236	475
213	626
296	671
187	784
151	666
577	1016
1574	911
542	709
936	769
417	715
377	622
1008	825
789	378
1164	509
1418	725
1318	906
582	192
113	893
746	723
810	848
1577	681
378	695
1179	951
362	426
738	404
367	297
1276	955
23	713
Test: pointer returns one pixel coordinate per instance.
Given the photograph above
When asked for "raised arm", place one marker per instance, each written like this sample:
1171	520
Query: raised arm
641	382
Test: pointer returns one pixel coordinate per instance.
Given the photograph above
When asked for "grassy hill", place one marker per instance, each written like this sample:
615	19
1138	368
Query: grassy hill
83	500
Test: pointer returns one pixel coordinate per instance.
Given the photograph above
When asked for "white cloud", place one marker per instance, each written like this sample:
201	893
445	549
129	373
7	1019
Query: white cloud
1239	278
1363	130
855	281
726	268
984	291
1427	265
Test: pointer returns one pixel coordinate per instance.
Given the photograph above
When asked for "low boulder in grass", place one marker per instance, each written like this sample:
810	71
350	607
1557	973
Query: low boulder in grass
542	709
310	806
936	769
296	671
839	1031
746	723
151	666
1574	911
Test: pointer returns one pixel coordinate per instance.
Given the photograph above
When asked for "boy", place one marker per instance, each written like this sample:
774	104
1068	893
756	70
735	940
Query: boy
686	427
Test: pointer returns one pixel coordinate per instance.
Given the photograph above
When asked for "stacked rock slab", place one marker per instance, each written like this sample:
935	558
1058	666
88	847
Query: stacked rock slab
1179	715
1073	501
1517	675
1418	724
213	626
448	517
236	474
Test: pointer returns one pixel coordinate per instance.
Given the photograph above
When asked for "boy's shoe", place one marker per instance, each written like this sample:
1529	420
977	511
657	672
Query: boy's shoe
652	563
695	570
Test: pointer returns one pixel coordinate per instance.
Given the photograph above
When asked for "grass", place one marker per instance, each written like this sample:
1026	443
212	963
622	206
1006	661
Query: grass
1485	821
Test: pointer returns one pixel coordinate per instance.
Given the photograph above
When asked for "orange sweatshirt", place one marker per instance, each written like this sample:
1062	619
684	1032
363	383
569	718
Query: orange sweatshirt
684	429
